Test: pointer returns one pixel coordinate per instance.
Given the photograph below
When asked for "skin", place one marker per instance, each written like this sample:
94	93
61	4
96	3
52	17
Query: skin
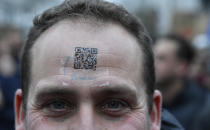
108	98
170	70
165	59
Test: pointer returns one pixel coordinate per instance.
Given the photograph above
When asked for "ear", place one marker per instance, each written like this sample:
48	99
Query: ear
19	111
155	115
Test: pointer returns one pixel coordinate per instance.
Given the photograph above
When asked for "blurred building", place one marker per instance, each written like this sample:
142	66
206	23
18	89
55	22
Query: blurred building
160	16
22	12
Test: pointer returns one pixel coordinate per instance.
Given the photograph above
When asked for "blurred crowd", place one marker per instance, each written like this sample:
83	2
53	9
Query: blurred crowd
182	75
10	43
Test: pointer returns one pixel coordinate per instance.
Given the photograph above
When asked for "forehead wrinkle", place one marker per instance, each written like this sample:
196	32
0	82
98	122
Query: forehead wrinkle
103	60
114	85
49	86
114	49
132	45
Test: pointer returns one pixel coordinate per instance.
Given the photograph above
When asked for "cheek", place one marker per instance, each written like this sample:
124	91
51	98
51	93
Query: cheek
133	121
36	121
160	69
165	70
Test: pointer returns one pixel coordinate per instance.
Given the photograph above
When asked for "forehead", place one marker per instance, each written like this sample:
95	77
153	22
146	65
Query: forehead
118	50
166	46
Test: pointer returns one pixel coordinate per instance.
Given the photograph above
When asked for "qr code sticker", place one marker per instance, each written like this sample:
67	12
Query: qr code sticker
85	58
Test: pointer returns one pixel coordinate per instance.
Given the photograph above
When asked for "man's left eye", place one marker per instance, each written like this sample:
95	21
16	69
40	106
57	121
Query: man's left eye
114	107
113	104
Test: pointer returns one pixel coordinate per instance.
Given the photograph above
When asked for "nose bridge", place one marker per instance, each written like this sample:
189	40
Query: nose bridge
86	116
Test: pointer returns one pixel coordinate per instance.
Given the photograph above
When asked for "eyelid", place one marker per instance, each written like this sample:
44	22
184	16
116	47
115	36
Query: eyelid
123	109
54	100
48	112
123	102
117	99
47	102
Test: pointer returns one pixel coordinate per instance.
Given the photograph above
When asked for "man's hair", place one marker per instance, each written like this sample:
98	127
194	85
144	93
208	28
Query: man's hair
185	50
100	11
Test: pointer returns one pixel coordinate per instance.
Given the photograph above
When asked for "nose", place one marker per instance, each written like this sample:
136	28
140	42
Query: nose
85	117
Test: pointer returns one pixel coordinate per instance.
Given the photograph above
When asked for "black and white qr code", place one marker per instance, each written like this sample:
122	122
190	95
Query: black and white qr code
85	58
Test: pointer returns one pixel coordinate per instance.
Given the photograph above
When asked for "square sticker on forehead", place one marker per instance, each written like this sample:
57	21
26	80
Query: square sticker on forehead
85	58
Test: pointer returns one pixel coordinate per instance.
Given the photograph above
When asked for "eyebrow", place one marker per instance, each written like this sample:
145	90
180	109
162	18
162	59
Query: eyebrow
49	92
97	93
115	91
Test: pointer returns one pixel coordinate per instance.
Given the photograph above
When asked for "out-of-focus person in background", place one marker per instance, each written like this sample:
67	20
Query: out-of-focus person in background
200	72
10	43
184	98
200	69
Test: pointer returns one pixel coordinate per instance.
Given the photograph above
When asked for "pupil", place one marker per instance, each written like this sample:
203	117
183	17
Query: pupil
113	104
58	105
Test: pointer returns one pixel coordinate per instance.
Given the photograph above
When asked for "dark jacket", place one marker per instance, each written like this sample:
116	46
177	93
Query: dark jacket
169	122
188	105
8	86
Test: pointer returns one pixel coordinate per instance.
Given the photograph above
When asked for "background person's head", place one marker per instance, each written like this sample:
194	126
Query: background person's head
200	68
173	56
57	93
10	44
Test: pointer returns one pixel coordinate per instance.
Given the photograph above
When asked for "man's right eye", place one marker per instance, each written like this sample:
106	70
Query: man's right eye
57	108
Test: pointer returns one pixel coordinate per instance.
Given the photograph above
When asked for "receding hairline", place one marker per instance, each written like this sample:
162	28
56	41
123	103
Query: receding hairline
86	22
173	43
101	10
91	22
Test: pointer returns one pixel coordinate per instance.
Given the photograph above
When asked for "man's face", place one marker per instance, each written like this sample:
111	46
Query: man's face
87	78
166	62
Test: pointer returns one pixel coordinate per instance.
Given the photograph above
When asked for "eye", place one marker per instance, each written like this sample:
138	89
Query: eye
114	107
113	104
58	108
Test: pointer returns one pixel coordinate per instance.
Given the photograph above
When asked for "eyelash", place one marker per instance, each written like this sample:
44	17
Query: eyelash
125	107
70	108
103	107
